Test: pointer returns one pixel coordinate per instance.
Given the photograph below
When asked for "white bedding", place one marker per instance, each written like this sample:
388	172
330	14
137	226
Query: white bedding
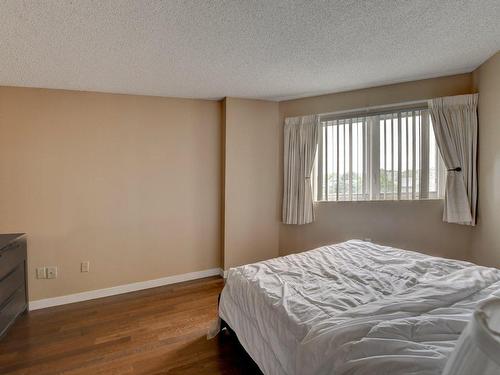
353	308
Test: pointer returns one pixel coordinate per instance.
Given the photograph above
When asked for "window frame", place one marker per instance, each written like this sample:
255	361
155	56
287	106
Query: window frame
371	157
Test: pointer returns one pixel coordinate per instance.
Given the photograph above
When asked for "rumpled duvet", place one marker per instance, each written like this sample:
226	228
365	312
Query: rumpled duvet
354	308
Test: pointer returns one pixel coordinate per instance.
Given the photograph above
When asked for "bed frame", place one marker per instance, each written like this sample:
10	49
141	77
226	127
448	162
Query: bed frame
233	335
223	323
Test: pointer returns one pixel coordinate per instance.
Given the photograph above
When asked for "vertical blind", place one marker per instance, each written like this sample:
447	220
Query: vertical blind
383	156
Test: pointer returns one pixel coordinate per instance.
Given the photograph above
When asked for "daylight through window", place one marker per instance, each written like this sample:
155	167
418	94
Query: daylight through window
386	156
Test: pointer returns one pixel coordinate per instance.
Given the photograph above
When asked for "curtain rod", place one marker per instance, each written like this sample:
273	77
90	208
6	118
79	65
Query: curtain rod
413	103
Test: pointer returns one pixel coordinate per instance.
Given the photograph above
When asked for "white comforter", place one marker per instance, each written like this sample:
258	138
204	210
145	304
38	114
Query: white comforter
353	308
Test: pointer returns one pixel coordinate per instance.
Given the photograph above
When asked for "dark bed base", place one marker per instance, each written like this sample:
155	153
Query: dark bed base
223	323
248	365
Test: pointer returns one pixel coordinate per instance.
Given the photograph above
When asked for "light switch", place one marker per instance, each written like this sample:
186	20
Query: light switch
85	266
41	273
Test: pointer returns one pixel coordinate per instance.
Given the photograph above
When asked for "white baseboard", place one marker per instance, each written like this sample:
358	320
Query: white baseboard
120	289
223	273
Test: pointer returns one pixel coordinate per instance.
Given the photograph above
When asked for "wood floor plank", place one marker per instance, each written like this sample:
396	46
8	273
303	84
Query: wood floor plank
155	331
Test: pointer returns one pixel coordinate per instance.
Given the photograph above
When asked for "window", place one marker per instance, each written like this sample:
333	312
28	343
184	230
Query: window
380	156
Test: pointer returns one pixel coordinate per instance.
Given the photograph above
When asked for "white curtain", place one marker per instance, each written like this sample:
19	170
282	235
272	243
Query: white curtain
478	348
454	119
300	144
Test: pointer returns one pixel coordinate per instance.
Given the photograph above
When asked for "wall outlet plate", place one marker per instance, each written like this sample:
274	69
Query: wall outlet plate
51	272
41	273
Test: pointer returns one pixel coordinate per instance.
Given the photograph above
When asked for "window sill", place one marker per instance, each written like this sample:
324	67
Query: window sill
382	201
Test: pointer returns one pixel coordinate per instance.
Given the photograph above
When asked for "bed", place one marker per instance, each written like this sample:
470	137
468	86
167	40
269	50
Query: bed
353	308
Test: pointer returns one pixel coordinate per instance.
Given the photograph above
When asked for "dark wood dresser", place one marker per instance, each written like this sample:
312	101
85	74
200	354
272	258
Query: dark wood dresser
13	290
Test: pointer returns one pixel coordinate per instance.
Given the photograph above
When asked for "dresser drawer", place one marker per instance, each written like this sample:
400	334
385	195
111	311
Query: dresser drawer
11	256
13	308
10	283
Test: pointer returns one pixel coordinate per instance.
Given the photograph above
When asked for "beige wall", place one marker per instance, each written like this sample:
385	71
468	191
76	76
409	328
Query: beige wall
411	225
401	92
130	183
252	187
147	187
486	245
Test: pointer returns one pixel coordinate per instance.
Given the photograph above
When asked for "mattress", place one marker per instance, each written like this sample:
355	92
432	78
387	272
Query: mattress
354	308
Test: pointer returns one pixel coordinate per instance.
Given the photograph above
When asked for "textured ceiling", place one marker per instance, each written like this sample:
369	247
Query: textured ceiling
270	49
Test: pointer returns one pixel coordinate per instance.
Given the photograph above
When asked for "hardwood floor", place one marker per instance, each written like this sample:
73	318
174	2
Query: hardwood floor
156	331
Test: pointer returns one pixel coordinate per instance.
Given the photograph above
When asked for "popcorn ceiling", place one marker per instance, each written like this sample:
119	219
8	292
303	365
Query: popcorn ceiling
254	49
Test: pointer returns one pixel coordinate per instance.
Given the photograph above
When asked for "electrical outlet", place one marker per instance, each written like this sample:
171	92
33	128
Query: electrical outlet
41	273
51	272
85	266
